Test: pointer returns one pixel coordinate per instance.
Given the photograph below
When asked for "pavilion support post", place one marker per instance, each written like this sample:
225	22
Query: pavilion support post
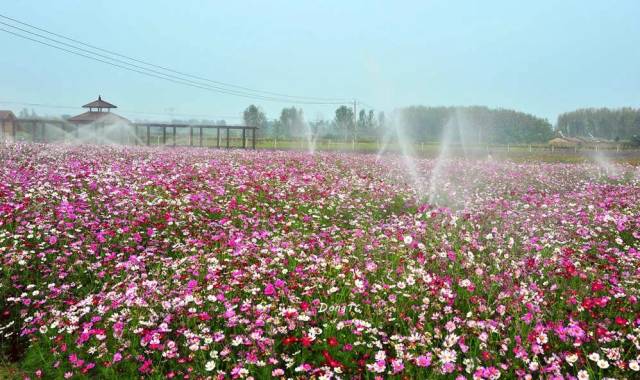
174	135
13	130
244	138
227	137
190	135
218	137
164	135
200	136
253	138
148	135
33	132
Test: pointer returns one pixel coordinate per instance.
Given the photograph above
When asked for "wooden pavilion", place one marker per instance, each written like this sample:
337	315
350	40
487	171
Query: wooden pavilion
100	125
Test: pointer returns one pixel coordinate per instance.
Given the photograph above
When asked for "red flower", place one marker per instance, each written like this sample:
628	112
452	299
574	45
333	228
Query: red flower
332	341
306	341
289	340
597	286
330	360
621	321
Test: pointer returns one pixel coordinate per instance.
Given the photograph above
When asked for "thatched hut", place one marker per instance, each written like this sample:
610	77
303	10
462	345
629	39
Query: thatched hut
565	142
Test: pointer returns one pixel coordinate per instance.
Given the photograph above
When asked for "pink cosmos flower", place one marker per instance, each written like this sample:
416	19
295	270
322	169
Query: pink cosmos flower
397	366
423	360
269	290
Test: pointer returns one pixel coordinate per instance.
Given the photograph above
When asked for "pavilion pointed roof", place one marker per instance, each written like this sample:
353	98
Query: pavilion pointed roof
99	104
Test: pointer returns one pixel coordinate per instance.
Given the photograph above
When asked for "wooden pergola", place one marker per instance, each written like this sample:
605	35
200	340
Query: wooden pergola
92	123
200	129
36	129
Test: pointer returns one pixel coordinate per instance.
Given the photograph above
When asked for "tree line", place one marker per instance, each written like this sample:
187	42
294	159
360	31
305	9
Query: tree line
478	124
419	123
602	123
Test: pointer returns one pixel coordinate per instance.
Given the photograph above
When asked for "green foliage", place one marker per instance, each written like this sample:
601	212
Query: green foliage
474	124
605	123
292	121
254	117
344	120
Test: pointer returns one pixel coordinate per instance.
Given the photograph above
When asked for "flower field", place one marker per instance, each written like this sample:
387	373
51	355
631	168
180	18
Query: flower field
193	264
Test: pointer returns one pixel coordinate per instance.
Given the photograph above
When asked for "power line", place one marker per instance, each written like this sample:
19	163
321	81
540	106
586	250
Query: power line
170	79
183	82
151	72
165	68
232	92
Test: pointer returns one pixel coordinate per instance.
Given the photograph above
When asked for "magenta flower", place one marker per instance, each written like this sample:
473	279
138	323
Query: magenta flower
269	290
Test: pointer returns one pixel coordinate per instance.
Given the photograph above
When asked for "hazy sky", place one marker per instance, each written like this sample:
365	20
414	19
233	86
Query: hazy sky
543	57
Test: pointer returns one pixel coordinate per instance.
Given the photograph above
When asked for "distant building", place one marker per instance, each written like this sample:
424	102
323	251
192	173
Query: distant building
7	124
566	142
99	113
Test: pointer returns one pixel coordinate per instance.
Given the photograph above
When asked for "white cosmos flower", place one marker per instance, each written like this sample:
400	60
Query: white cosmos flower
408	239
448	356
603	364
210	365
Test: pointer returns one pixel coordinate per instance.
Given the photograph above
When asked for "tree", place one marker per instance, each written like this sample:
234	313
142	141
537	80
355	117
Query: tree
254	117
292	121
25	114
344	120
371	121
362	120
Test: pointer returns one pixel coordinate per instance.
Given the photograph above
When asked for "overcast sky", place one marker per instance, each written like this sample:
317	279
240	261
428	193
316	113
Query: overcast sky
543	58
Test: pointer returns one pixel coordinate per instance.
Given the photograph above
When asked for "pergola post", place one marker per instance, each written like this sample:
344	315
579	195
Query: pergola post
200	136
244	138
190	135
164	135
174	135
148	135
218	137
253	138
228	130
